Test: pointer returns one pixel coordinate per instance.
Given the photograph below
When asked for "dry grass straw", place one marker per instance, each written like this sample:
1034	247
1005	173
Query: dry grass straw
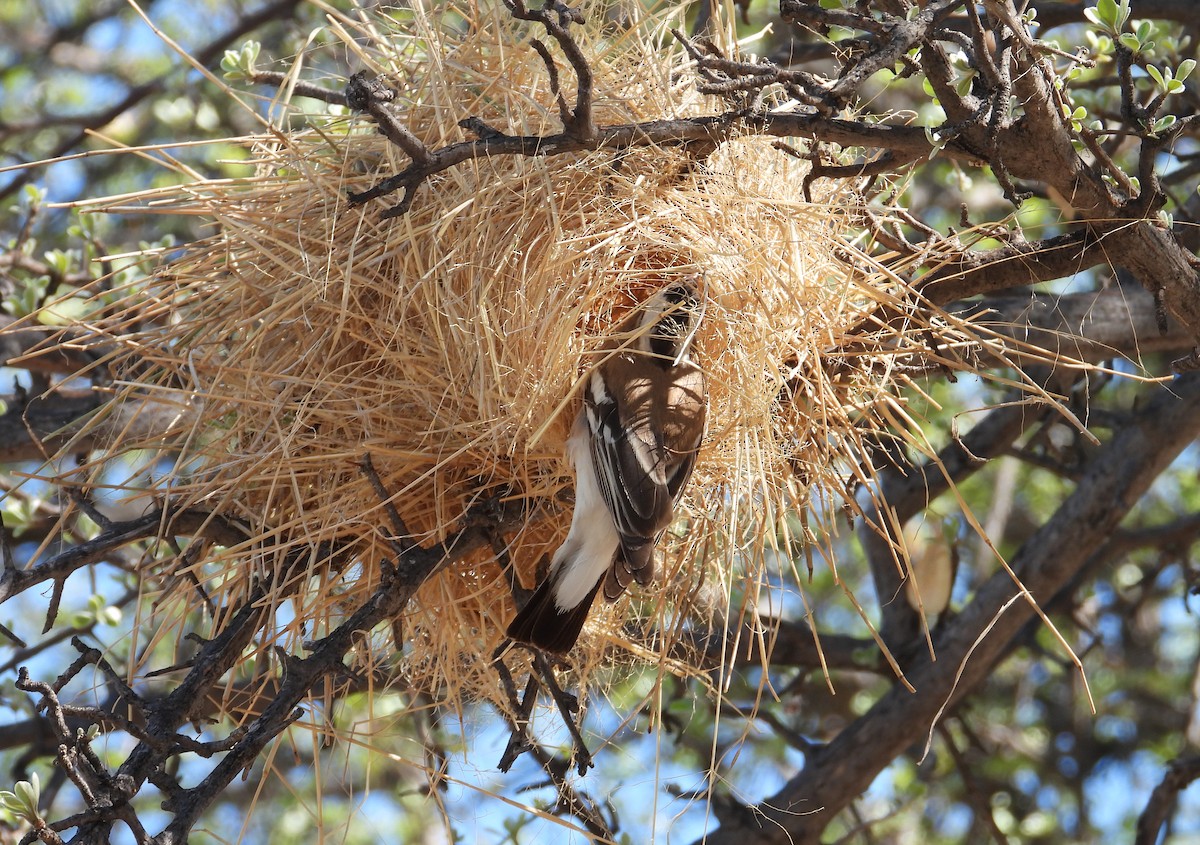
306	333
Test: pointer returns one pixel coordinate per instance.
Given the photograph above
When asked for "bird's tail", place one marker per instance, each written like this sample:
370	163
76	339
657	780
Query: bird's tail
540	623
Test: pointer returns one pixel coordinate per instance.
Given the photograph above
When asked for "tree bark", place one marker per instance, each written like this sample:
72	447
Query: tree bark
969	646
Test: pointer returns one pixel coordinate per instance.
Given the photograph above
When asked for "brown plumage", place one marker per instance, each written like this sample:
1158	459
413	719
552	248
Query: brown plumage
633	447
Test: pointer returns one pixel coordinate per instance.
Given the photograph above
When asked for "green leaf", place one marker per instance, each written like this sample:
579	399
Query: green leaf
935	141
1108	15
239	64
16	514
60	260
1122	14
24	799
27	298
34	194
63	311
1163	123
1039	824
110	616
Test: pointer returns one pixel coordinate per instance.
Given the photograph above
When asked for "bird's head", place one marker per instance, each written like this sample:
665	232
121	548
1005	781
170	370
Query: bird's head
671	317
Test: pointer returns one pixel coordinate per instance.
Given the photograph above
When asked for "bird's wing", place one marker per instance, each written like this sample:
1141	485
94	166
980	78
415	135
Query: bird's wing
641	478
631	464
689	402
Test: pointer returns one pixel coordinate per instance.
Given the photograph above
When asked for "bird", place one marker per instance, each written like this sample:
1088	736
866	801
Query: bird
932	562
632	446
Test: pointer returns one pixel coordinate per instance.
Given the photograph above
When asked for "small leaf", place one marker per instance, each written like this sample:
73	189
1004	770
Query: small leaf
1163	123
1108	15
239	64
24	799
35	194
229	63
60	260
63	311
1185	69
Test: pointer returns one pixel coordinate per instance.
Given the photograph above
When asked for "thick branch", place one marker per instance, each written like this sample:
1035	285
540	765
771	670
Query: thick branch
968	646
64	420
910	141
1012	265
303	674
1093	326
1182	773
185	523
780	643
1163	266
55	350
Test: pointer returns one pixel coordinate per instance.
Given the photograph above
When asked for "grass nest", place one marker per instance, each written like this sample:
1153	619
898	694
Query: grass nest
307	333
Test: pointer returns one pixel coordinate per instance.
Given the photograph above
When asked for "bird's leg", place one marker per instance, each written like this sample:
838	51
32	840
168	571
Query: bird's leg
568	708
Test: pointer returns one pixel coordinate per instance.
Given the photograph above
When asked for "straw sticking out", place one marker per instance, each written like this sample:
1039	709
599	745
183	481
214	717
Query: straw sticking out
447	345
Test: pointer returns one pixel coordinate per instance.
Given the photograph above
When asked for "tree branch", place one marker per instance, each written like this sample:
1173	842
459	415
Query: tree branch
279	10
302	674
907	140
162	522
968	646
1180	775
907	491
1091	326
